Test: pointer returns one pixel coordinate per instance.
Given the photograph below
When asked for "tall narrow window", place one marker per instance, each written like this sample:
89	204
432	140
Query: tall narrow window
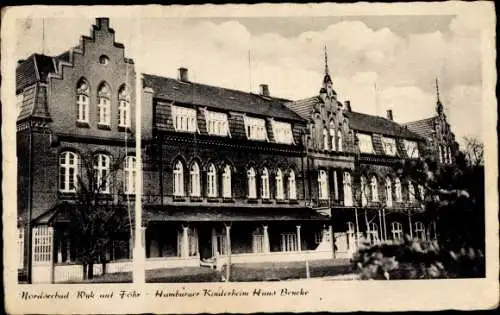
449	155
339	140
388	192
364	192
129	174
347	190
124	107
325	139
323	185
332	138
440	154
68	171
265	184
19	103
226	182
104	105
194	174
101	168
82	101
292	188
212	181
397	190
20	247
252	191
279	185
374	186
420	230
178	179
373	233
397	231
411	192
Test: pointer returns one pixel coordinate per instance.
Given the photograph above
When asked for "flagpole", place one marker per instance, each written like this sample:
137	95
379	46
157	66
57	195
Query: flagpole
139	237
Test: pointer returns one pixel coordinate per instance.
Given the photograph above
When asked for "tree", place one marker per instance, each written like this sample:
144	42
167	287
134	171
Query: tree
474	151
97	215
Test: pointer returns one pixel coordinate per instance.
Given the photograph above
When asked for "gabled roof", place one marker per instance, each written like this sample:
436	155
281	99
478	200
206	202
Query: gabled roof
422	127
376	124
219	98
35	68
303	107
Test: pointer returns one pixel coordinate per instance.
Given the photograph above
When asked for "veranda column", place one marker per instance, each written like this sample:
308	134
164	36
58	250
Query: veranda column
299	241
59	250
228	251
214	243
266	248
409	221
357	227
332	239
381	231
68	248
185	242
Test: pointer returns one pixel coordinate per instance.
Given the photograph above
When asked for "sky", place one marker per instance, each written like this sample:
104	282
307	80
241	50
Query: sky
376	62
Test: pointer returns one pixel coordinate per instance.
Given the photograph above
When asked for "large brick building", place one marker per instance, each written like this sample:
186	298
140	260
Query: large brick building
225	172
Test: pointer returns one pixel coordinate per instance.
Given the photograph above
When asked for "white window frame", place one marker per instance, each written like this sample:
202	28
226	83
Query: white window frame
252	184
411	192
83	101
388	192
255	128
289	242
374	189
194	180
373	233
211	181
389	145
322	185
258	241
129	175
397	231
411	148
264	178
184	119
19	103
42	244
124	115
226	182
280	190
346	180
339	141
325	139
363	187
217	123
102	164
178	179
68	163
282	132
332	138
292	186
398	190
420	231
104	105
421	191
365	143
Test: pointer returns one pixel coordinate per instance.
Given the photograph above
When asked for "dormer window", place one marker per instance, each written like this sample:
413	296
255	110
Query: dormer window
184	119
365	143
19	103
255	128
217	124
282	132
389	145
103	60
411	148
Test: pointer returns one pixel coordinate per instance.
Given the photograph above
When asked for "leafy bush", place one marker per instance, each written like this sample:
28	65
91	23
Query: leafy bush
415	259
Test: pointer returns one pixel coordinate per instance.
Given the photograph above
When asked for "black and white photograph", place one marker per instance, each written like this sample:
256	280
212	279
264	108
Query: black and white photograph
242	149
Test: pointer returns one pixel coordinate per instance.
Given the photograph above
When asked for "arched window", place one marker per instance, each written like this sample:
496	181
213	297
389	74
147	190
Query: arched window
194	174
388	192
397	231
82	100
226	182
325	139
104	105
339	140
411	192
252	191
279	185
420	230
292	186
347	189
397	190
364	192
374	188
68	171
212	181
322	185
101	168
264	184
178	179
421	192
332	138
124	107
449	155
129	174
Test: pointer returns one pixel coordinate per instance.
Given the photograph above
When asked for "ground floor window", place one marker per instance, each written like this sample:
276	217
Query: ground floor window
20	246
420	230
289	242
42	244
318	237
373	235
397	231
258	241
120	249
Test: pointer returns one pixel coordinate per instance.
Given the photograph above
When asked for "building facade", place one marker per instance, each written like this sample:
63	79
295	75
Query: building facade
226	174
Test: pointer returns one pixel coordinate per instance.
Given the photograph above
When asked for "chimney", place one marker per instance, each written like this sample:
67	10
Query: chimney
183	75
264	90
102	23
348	106
389	114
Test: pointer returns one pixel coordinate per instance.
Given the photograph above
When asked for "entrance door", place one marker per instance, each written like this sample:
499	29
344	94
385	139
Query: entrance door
205	242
